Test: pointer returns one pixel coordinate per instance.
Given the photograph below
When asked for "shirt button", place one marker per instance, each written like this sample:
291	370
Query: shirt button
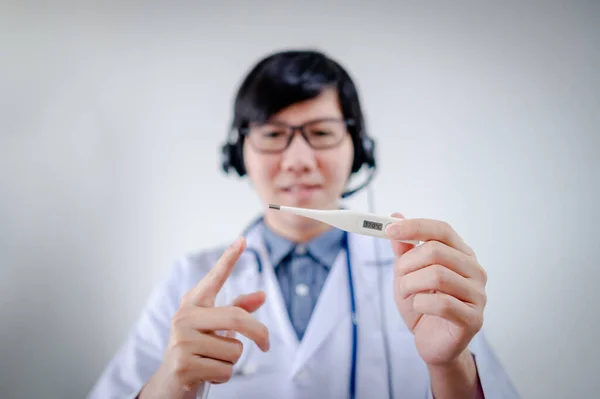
300	250
301	377
249	369
302	290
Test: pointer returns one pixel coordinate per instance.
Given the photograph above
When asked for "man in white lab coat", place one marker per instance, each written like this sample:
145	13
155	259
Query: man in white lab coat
310	311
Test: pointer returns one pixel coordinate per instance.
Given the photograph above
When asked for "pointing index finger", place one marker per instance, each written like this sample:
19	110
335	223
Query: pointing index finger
205	292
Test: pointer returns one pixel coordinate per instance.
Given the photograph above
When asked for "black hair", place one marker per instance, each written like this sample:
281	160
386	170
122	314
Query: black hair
288	77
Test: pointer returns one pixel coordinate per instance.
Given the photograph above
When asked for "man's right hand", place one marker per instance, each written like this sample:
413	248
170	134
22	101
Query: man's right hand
195	353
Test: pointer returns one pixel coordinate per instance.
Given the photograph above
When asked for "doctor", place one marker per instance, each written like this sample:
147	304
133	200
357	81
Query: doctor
310	311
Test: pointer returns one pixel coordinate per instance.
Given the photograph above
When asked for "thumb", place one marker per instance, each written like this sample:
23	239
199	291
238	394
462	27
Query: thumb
250	302
400	248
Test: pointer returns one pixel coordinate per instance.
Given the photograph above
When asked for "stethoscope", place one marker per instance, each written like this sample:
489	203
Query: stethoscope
346	248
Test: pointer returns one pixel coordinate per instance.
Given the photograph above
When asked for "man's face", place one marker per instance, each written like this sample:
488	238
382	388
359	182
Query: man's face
300	175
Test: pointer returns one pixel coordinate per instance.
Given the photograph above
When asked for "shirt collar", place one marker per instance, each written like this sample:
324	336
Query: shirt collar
323	248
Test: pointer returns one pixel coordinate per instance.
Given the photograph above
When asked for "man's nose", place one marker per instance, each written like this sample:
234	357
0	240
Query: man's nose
299	156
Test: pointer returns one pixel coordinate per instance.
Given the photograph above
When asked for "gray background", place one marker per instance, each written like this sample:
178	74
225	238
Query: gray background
486	116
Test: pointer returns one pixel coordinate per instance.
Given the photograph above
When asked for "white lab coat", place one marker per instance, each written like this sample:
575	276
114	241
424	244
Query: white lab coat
319	365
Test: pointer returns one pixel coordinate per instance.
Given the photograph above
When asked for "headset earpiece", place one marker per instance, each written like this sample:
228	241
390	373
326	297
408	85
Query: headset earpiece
231	158
368	145
225	158
364	153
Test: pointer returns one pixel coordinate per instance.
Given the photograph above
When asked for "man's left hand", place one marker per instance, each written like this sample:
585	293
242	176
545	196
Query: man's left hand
439	288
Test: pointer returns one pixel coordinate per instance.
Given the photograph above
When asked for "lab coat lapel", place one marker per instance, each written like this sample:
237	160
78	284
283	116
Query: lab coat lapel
330	309
274	310
366	264
281	321
333	309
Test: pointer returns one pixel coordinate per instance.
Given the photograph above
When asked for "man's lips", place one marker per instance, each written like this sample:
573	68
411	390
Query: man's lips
292	188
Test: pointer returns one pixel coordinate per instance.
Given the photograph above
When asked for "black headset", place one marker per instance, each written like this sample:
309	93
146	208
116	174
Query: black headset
364	154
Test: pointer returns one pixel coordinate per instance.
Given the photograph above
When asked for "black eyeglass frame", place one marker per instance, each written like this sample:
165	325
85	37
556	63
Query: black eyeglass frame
245	131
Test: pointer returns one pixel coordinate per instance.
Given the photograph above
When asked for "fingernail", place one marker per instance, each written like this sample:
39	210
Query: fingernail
236	244
267	343
392	229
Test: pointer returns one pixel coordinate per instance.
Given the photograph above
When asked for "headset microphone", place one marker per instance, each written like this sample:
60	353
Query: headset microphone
353	191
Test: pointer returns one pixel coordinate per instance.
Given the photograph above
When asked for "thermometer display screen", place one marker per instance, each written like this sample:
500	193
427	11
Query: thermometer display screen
367	224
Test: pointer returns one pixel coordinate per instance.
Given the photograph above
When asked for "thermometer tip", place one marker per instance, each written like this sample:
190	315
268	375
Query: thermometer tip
273	206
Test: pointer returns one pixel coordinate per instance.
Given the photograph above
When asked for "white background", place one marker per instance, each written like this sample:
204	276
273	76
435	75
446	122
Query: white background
486	116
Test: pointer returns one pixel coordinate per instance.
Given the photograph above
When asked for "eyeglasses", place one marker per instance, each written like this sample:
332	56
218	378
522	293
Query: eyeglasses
275	137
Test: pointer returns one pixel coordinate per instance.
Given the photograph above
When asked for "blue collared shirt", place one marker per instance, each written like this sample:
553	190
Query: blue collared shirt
302	270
